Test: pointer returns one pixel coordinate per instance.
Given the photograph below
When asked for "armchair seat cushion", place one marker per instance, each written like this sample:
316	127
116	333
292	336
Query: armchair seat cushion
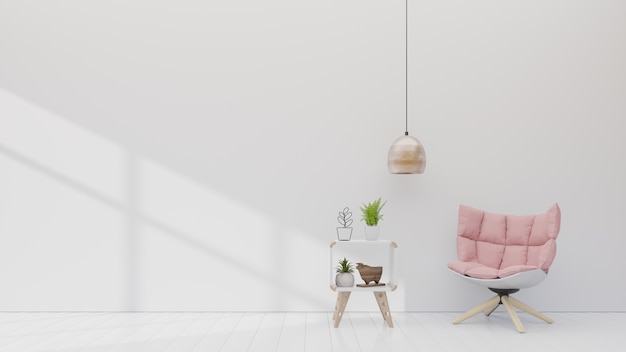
481	271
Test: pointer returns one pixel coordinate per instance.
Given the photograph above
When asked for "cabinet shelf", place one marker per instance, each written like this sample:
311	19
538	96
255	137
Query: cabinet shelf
373	253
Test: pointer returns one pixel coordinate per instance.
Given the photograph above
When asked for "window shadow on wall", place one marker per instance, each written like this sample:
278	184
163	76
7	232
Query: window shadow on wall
121	225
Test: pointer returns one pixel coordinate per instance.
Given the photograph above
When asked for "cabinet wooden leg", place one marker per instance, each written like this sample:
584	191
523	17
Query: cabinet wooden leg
340	306
383	304
336	306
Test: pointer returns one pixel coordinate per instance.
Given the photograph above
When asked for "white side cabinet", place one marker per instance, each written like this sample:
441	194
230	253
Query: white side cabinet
372	253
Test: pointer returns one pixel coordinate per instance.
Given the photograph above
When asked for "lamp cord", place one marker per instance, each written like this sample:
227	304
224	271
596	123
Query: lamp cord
406	69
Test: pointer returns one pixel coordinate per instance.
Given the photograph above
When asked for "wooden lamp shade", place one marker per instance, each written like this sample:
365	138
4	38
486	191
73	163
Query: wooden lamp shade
406	156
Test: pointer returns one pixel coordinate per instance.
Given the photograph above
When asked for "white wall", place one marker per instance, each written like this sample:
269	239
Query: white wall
190	155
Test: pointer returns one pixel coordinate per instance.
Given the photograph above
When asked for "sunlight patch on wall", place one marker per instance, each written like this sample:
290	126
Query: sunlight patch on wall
100	227
201	242
60	248
203	215
71	151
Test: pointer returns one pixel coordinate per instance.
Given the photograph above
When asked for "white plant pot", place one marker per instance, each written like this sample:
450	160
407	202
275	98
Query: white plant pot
344	280
344	233
371	232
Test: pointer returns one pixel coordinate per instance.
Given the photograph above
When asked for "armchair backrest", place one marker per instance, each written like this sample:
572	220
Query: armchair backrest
500	241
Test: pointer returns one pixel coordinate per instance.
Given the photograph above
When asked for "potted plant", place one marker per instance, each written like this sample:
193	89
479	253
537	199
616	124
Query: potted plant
344	233
371	215
344	277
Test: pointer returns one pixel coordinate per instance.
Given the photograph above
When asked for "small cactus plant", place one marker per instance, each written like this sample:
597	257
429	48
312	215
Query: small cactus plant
344	277
344	266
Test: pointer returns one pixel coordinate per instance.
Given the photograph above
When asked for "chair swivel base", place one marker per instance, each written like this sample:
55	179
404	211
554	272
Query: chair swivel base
509	303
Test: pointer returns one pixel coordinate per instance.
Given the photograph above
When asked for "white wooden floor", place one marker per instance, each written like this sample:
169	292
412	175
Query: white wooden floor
359	331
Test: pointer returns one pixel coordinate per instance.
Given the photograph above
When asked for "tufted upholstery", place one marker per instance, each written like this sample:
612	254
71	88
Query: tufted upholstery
491	246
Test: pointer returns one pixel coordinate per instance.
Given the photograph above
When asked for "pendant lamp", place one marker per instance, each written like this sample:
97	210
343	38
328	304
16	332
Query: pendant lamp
406	154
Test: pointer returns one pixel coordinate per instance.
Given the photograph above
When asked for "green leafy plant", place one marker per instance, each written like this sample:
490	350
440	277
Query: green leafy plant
371	212
344	266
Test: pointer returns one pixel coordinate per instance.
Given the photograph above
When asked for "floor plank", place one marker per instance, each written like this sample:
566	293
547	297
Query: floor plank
117	330
52	335
191	336
317	332
343	338
98	327
305	331
268	333
293	333
366	331
219	333
244	332
395	338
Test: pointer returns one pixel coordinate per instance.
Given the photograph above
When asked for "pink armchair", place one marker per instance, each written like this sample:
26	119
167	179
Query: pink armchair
505	253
